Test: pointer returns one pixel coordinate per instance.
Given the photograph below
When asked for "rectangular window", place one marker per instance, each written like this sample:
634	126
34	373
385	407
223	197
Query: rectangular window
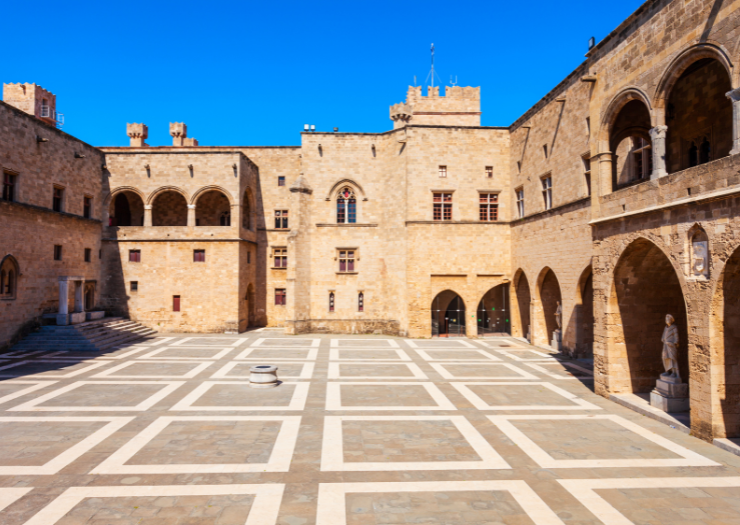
489	172
547	192
87	207
443	171
9	182
175	303
57	252
331	301
488	207
280	257
134	256
199	256
249	257
88	253
587	174
346	261
280	296
281	181
281	219
642	155
134	286
520	202
443	206
361	302
544	149
58	200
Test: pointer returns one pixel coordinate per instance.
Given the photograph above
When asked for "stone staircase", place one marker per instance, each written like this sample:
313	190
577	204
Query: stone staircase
91	336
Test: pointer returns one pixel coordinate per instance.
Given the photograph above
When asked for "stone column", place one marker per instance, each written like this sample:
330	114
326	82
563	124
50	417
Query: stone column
63	297
734	96
79	303
658	138
147	215
191	215
604	174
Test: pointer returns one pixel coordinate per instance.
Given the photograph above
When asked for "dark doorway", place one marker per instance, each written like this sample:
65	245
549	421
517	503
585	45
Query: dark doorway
448	315
493	312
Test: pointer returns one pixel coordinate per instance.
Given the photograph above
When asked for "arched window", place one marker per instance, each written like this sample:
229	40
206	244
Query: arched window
226	219
246	212
705	151
8	278
361	302
331	301
346	206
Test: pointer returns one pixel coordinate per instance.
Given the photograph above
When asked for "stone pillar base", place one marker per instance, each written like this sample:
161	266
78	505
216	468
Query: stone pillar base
670	395
74	318
556	342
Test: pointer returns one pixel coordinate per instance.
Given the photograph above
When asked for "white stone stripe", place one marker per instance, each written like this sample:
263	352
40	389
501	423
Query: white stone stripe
93	365
332	508
332	453
306	371
334	354
199	367
584	491
297	402
313	353
442	370
485	356
480	404
259	342
447	344
688	458
264	510
57	463
38	385
279	460
32	406
552	374
335	370
10	495
334	397
154	354
335	343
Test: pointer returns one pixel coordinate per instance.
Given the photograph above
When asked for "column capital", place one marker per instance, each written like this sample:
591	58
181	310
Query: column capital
658	132
148	206
191	206
734	95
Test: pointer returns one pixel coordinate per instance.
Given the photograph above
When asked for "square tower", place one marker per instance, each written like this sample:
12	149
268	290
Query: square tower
33	100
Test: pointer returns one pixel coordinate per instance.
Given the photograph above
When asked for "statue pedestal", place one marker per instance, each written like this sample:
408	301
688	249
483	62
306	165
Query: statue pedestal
556	340
670	395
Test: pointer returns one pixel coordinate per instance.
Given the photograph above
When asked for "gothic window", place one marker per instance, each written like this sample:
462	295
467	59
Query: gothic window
246	213
346	206
520	202
547	192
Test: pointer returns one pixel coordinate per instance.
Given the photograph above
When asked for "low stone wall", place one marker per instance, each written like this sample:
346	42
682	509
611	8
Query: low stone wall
345	326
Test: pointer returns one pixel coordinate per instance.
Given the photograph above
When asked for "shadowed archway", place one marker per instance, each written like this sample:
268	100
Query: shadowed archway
521	306
448	315
493	312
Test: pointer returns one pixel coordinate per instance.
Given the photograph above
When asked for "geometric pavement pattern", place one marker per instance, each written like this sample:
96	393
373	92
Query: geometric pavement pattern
363	431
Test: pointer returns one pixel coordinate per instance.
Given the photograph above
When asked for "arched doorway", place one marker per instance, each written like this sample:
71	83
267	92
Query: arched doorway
448	315
698	115
725	346
523	298
89	296
493	312
250	305
645	289
548	298
126	209
584	315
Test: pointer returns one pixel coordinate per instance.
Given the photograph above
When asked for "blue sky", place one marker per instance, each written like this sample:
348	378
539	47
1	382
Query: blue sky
252	73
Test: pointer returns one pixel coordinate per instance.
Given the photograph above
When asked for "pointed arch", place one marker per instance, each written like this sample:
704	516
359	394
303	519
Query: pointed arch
583	314
521	302
9	273
618	102
547	298
345	182
448	314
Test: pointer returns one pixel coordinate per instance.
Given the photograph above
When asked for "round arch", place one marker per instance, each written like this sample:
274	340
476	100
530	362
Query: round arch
547	299
646	285
120	189
169	207
213	207
163	189
125	207
448	315
494	312
683	61
10	270
206	189
617	103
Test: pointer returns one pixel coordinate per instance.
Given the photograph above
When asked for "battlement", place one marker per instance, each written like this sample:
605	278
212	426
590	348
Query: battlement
179	132
32	99
138	133
459	106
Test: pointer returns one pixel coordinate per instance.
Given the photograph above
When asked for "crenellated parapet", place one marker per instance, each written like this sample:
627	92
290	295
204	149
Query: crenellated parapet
459	106
138	133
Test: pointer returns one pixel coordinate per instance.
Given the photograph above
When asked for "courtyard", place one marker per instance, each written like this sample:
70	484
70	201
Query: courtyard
363	430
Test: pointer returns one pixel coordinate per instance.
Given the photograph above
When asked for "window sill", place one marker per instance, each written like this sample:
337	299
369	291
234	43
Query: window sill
347	225
347	273
278	268
7	298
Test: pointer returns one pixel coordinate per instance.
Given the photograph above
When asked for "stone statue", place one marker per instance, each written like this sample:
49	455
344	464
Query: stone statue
670	350
559	315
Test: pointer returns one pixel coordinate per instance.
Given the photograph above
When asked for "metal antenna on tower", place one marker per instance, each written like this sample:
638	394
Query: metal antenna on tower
431	72
451	81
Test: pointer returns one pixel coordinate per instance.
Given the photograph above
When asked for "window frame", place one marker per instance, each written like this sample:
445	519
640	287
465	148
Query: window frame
346	207
199	255
444	205
281	180
88	255
489	172
488	209
58	252
332	302
87	207
586	159
177	303
134	256
360	301
10	186
9	273
519	193
442	171
280	296
350	261
279	257
60	208
133	286
281	219
546	181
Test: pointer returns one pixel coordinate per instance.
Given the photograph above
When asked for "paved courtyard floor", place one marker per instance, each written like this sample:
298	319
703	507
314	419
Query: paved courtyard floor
364	430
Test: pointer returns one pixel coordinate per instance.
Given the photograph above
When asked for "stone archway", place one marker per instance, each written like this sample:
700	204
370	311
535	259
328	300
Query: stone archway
548	297
645	288
448	315
521	304
493	314
583	317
